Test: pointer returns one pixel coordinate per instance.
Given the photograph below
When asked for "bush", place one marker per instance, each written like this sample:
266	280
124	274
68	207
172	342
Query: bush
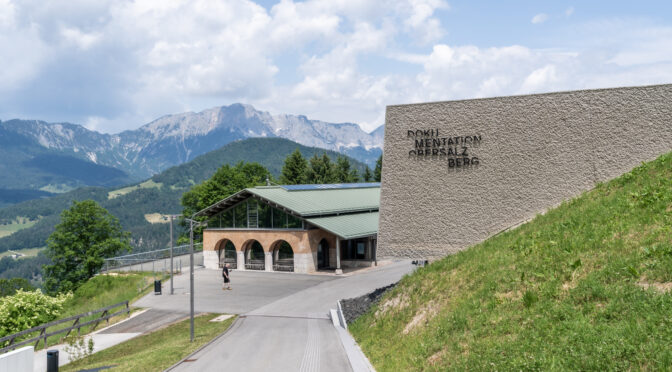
28	309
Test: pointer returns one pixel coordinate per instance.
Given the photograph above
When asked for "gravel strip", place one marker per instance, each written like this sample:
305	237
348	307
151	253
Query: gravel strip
353	308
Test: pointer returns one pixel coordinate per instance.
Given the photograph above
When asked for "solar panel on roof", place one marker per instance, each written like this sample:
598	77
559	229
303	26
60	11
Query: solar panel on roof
331	186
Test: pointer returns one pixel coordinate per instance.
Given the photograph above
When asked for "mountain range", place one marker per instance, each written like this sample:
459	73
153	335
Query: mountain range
158	195
39	158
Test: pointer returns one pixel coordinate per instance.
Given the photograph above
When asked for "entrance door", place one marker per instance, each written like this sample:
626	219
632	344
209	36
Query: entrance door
323	254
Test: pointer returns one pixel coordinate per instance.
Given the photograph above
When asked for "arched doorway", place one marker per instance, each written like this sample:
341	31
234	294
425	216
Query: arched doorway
227	254
254	256
323	254
283	256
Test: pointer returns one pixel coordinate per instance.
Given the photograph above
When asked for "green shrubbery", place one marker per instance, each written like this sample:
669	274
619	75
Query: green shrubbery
28	309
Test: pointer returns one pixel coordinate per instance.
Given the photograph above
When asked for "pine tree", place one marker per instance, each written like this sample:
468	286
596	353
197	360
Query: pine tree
294	170
367	174
342	171
378	170
320	170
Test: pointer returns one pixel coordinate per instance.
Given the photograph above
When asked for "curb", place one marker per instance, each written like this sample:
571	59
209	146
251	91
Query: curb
358	361
235	322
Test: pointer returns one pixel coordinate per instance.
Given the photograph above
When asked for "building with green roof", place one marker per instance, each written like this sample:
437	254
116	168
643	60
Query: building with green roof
299	228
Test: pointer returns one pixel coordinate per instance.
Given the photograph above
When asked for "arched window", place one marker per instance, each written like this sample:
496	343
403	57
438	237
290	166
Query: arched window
227	254
283	256
254	256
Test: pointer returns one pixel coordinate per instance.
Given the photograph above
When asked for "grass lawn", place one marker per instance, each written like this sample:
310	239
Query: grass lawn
155	351
19	224
586	286
123	191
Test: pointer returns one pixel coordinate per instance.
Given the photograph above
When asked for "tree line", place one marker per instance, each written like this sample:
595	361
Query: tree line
88	233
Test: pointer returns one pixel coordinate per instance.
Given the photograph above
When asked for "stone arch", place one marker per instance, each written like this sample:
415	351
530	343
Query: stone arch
283	256
254	255
226	253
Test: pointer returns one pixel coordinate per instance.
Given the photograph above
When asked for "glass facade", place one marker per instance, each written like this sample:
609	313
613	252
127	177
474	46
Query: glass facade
251	214
353	249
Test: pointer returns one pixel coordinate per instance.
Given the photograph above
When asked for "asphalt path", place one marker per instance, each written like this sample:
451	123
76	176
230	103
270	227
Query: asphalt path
284	323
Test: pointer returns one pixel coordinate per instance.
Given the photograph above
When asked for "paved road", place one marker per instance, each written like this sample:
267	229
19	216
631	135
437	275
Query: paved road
284	324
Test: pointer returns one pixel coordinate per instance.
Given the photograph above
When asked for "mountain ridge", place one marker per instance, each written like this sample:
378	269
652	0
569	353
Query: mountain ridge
175	139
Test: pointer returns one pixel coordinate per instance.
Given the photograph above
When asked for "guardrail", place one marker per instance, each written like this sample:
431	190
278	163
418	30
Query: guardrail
114	263
76	325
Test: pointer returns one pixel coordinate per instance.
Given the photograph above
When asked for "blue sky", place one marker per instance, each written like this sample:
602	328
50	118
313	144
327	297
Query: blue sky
116	65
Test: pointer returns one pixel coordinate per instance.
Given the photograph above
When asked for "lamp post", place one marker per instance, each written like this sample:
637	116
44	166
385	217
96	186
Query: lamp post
191	272
171	250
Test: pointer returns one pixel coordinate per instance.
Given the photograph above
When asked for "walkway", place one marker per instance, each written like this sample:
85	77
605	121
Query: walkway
287	328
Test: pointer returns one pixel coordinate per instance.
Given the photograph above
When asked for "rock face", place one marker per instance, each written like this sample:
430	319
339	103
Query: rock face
175	139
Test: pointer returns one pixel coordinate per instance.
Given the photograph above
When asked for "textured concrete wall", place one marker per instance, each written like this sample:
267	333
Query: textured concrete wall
534	152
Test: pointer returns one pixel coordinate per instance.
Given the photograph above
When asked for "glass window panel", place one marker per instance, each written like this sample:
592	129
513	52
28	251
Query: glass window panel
279	219
240	212
265	216
226	218
361	250
293	222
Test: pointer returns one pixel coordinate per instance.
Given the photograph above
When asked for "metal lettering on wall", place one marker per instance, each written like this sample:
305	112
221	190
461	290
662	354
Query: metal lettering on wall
457	151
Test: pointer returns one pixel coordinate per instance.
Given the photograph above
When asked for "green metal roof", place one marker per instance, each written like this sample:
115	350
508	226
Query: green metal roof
349	226
307	203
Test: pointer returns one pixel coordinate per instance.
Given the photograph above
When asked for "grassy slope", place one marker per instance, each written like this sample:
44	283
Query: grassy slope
579	288
102	291
155	351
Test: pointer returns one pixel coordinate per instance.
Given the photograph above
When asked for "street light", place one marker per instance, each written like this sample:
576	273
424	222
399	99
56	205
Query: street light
171	250
191	270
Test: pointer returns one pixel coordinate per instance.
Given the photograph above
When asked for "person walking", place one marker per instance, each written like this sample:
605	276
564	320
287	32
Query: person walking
225	275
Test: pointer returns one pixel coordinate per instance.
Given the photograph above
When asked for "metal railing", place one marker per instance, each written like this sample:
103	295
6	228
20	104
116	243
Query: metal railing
114	263
255	265
76	325
285	264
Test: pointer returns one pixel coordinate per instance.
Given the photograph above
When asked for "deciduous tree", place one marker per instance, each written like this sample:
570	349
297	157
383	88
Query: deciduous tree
86	235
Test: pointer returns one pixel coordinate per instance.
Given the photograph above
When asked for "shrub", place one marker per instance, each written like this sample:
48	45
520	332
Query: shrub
28	309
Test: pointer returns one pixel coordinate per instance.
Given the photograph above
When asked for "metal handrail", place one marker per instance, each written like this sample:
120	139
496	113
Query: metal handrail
76	325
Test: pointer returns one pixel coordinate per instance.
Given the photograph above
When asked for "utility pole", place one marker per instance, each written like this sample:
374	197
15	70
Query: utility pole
191	270
171	254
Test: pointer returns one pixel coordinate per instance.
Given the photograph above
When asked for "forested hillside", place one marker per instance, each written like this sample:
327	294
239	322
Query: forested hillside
159	195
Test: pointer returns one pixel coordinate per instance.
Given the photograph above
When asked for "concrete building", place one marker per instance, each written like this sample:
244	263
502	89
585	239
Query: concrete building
455	173
298	228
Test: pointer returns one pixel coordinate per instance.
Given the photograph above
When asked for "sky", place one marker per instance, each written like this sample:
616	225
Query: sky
117	65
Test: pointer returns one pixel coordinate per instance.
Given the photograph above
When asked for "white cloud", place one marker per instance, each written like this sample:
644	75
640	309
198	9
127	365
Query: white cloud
569	11
116	65
539	18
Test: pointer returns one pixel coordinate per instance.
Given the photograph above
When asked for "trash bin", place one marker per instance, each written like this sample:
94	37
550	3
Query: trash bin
157	287
52	361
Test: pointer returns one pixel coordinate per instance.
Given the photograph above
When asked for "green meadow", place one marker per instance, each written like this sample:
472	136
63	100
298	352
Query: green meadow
585	286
